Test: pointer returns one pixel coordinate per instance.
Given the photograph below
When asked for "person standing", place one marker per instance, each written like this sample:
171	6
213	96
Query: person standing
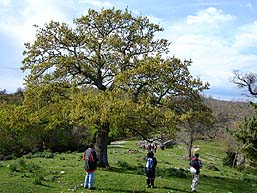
196	165
90	164
150	166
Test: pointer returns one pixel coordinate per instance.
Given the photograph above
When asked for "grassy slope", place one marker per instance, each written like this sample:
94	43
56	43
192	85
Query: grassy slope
126	173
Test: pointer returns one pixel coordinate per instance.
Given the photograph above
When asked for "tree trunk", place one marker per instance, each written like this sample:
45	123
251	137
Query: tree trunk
189	145
101	145
188	150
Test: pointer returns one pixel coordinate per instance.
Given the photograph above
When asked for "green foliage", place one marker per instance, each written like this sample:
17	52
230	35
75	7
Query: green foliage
228	160
247	137
44	154
124	78
20	165
13	121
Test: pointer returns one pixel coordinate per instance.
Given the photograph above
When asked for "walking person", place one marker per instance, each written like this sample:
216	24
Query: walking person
150	166
90	163
195	166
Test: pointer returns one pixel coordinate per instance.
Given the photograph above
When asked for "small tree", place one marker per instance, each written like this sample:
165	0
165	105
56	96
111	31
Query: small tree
247	137
246	80
197	120
246	134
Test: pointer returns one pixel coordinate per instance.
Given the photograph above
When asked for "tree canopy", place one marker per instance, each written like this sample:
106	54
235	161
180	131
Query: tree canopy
117	70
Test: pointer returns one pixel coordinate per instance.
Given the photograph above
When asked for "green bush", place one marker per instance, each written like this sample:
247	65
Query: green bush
13	167
229	158
21	165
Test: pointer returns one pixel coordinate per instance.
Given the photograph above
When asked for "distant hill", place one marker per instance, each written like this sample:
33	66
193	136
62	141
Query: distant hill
228	112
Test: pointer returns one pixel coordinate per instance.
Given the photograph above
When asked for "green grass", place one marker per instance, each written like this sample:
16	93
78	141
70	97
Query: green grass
54	173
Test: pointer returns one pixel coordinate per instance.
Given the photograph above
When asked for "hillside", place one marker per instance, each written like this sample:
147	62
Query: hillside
228	112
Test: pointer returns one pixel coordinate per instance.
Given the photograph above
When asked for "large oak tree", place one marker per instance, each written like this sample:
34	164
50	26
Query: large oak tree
117	62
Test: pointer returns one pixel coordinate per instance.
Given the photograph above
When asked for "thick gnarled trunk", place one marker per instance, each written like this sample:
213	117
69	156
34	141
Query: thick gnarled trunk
101	145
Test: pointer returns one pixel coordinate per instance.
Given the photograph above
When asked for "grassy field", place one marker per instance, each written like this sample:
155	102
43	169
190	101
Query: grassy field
55	173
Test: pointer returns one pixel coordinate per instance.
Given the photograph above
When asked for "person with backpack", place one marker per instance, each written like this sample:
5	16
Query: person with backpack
150	166
90	163
195	166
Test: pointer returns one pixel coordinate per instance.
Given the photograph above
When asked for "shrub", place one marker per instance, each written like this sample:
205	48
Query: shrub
44	154
23	166
228	160
13	167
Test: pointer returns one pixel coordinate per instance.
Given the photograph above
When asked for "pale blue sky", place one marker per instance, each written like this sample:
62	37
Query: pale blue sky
218	35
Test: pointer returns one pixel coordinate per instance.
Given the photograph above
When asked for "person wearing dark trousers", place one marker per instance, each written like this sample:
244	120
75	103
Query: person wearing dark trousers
150	166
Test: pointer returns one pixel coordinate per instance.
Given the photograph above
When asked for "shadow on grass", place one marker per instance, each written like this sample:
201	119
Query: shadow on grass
122	190
139	170
226	184
208	183
175	189
142	191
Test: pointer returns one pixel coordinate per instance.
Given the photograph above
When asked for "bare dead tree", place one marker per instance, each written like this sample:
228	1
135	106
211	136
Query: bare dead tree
246	80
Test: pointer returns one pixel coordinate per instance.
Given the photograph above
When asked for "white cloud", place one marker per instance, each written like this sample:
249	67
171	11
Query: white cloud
247	36
18	24
5	3
214	55
209	16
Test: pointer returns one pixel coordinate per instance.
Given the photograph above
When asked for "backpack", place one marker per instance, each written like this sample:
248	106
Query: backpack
149	163
90	163
195	164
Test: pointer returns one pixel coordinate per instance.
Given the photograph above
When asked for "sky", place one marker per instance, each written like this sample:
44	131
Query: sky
219	36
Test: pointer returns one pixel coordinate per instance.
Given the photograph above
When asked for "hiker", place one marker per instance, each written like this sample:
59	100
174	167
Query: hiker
90	160
154	148
151	163
195	166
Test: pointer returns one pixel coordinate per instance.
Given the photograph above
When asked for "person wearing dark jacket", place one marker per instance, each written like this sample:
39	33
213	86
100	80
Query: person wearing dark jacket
90	163
196	165
151	163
